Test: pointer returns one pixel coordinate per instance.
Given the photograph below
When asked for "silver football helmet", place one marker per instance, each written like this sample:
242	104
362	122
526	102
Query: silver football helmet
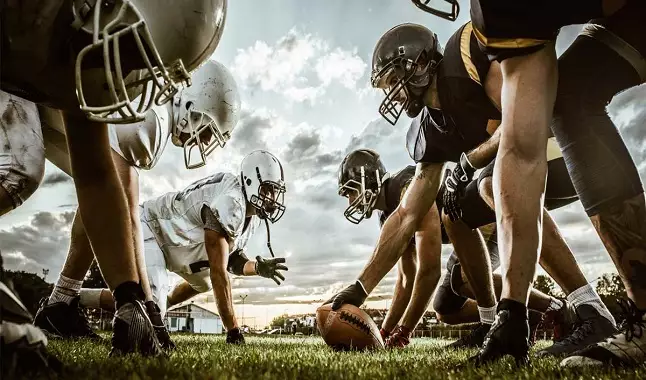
263	181
205	114
146	47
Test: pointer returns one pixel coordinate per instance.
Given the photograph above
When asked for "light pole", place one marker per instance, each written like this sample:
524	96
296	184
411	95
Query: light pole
45	273
243	298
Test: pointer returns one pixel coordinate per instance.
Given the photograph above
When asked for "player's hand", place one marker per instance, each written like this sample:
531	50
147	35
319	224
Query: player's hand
234	336
154	314
269	268
461	175
451	203
354	294
400	338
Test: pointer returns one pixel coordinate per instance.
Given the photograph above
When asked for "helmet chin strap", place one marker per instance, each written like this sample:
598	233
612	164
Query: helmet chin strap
269	238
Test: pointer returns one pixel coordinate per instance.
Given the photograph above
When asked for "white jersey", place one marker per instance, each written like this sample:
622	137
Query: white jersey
175	220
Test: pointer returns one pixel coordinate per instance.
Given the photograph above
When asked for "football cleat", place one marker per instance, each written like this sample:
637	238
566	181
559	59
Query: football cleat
399	338
60	320
158	324
133	332
560	321
474	339
509	335
627	348
593	328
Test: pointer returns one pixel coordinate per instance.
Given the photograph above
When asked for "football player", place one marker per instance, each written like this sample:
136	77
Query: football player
201	232
416	76
200	118
90	60
520	35
363	179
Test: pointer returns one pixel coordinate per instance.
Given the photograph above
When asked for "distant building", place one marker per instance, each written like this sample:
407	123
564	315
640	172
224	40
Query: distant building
194	319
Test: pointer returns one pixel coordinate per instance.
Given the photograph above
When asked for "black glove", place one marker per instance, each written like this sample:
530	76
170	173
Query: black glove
451	201
158	324
461	175
234	336
269	268
354	294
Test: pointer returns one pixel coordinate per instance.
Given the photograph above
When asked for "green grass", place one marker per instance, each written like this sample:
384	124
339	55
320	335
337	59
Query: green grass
208	357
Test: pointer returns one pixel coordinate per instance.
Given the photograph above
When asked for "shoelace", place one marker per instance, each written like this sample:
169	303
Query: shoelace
633	324
581	331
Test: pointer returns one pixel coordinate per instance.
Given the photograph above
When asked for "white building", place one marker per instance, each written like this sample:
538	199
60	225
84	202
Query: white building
190	317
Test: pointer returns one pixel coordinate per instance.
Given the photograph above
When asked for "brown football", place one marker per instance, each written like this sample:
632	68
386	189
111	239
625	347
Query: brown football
348	328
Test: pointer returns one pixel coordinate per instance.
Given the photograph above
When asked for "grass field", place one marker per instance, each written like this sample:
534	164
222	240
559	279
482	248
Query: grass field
208	357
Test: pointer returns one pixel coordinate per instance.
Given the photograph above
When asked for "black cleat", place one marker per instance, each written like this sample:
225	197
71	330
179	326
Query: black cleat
509	335
60	320
474	339
593	328
133	332
158	324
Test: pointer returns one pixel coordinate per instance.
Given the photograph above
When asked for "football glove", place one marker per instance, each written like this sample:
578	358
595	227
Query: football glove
354	294
269	268
461	175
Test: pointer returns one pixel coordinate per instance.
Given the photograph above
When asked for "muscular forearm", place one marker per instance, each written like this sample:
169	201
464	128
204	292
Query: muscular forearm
485	152
401	225
223	299
401	297
182	292
425	283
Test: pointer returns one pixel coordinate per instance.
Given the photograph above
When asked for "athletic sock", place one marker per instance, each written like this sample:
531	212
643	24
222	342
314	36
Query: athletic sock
65	290
126	292
586	295
487	314
555	304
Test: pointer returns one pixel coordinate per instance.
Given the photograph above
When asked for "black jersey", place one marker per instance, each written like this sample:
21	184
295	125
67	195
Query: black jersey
394	188
467	111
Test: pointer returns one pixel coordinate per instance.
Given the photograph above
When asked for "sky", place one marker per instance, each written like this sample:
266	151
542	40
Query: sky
303	70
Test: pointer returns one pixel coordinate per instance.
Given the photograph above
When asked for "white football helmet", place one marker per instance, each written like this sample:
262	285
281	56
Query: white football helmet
205	114
154	43
263	182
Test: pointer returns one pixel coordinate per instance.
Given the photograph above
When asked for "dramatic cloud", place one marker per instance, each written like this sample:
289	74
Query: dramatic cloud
299	66
56	179
40	244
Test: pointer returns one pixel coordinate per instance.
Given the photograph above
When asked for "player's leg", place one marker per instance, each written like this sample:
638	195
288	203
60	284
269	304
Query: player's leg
602	170
22	153
104	211
403	290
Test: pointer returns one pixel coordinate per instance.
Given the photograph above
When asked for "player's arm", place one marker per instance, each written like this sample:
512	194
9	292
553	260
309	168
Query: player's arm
403	289
240	265
482	155
180	293
395	233
217	250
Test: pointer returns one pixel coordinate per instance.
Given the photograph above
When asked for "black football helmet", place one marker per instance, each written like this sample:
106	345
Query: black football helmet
361	174
403	65
450	15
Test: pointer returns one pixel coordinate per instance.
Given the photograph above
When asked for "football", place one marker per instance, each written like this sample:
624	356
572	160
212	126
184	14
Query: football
348	328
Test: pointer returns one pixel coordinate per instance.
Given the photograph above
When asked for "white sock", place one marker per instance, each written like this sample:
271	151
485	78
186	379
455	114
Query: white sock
487	314
555	304
91	298
586	295
65	290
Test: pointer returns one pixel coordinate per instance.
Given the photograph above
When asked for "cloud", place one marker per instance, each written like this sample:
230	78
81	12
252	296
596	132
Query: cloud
40	244
299	66
56	179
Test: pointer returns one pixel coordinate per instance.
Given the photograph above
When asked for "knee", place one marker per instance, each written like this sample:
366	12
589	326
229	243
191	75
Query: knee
485	188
